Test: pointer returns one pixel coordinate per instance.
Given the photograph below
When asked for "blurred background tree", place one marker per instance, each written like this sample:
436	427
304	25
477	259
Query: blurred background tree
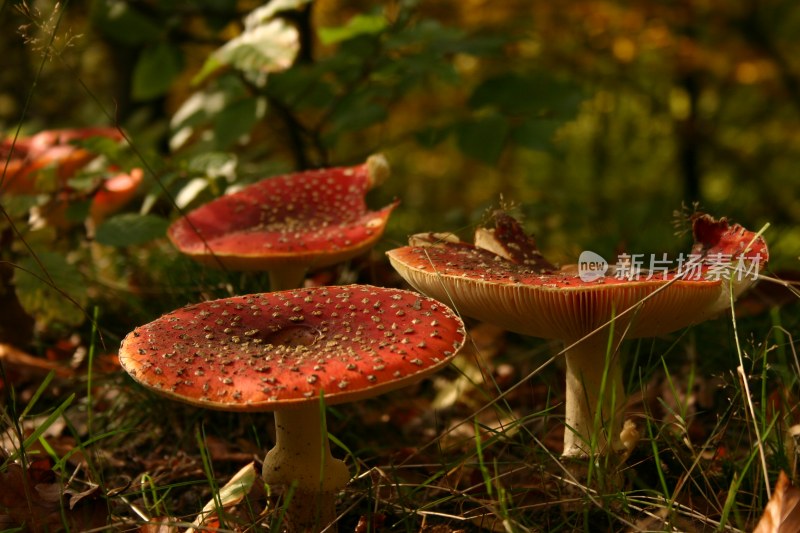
595	118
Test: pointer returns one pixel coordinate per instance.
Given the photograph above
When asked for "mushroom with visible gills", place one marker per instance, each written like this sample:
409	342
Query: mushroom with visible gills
514	287
288	224
284	351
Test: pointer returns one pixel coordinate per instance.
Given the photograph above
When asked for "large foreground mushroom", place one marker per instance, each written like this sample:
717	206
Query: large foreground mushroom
514	287
288	224
286	352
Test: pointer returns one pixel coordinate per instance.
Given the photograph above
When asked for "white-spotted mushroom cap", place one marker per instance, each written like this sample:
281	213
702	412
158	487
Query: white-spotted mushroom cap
306	219
555	304
263	352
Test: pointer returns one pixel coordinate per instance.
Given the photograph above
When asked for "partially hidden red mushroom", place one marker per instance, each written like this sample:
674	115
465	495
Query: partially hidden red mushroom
23	159
285	352
514	287
288	224
114	193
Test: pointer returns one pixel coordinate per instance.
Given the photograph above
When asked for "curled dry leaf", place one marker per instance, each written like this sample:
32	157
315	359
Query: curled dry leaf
782	514
33	498
31	364
233	493
159	525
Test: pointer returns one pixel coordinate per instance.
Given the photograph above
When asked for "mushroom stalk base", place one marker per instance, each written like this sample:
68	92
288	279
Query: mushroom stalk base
302	456
286	278
585	394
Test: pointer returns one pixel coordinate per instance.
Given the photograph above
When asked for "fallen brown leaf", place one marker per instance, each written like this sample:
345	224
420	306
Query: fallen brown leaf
159	525
372	523
782	513
17	358
33	497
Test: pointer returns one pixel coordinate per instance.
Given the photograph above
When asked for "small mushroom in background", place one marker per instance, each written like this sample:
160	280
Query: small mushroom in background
288	352
511	285
114	193
22	160
57	156
289	224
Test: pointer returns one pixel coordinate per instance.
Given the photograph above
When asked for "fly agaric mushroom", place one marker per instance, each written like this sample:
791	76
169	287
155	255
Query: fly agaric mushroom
288	224
114	193
23	159
514	287
282	352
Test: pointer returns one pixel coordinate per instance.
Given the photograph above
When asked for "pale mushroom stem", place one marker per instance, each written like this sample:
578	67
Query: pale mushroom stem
585	394
283	279
302	456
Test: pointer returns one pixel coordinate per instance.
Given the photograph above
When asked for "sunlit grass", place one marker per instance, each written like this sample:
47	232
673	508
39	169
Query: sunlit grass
472	468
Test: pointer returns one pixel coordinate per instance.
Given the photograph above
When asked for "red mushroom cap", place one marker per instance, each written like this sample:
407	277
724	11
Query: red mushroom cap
114	193
48	138
315	218
262	352
32	154
720	237
555	305
558	304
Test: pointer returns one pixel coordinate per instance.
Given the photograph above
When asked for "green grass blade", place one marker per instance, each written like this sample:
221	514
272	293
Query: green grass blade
39	391
39	431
